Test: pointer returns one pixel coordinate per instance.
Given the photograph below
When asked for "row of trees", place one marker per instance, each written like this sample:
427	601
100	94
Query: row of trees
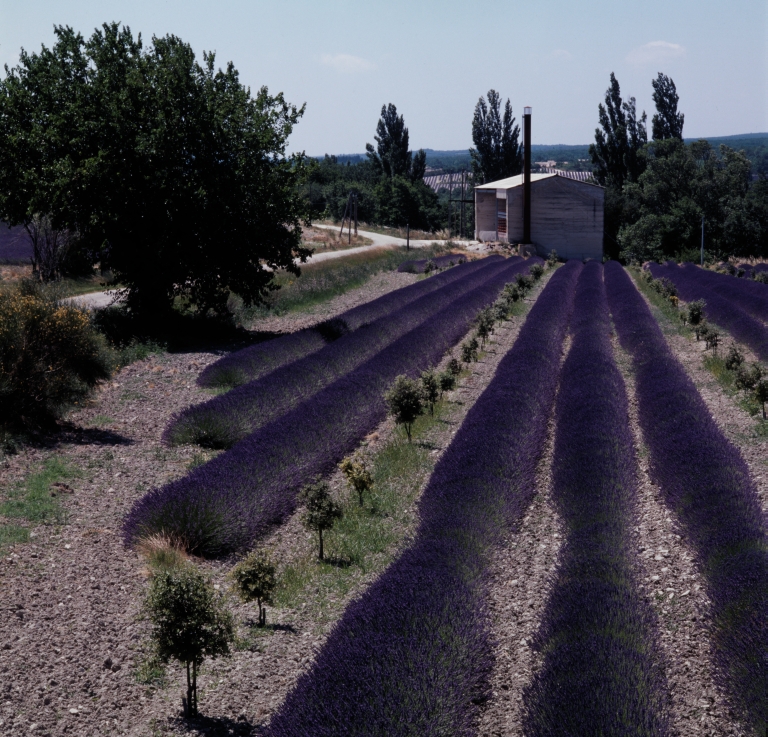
658	191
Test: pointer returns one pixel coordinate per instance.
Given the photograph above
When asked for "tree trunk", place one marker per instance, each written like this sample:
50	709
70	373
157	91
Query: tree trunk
188	708
194	688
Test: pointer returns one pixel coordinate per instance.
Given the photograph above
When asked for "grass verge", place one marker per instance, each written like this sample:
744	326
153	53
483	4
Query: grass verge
364	540
667	315
36	500
327	279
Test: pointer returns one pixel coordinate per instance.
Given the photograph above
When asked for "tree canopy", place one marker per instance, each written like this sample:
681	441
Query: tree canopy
497	152
169	173
616	152
667	123
392	156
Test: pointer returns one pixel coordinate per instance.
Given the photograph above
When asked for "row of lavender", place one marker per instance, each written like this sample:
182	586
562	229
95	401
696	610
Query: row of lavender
600	673
707	484
228	418
227	503
412	656
725	311
749	295
439	262
258	360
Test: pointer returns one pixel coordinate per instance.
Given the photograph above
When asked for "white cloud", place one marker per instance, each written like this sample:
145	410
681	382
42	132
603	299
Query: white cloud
346	63
655	51
561	54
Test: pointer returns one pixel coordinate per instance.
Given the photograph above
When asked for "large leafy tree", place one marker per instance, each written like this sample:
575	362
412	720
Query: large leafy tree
667	123
171	174
392	157
682	184
498	151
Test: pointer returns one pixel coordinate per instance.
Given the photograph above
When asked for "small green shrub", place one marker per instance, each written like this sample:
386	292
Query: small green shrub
712	340
321	512
536	271
552	258
430	388
734	358
701	329
454	366
406	402
51	356
762	277
696	312
189	622
469	350
255	580
358	475
446	381
485	324
761	394
748	378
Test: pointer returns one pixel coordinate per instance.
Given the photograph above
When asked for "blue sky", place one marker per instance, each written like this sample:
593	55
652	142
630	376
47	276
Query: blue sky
434	59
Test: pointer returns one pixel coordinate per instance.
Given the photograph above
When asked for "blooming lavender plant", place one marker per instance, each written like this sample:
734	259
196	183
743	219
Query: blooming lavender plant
227	503
706	482
258	360
412	655
600	674
227	418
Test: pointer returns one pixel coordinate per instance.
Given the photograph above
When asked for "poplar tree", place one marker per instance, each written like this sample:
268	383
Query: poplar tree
498	152
667	123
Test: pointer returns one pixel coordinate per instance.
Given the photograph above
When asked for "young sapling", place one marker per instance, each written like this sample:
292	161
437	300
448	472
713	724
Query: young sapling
406	402
321	512
189	622
255	580
358	476
430	387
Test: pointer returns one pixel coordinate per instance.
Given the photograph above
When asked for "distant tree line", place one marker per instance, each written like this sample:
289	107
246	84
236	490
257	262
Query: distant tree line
658	191
389	183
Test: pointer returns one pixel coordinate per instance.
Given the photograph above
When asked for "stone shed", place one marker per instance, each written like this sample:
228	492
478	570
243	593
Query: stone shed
566	214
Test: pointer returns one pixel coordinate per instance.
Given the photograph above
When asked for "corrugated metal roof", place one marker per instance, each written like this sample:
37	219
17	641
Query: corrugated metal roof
517	181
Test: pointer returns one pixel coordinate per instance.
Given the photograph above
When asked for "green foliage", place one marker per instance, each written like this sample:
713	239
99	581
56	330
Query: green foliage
391	157
406	402
430	388
695	311
524	284
454	366
498	153
663	208
358	475
552	258
320	512
51	356
469	350
189	622
485	324
747	378
667	123
154	161
760	393
701	330
537	271
762	277
617	151
712	339
255	580
734	358
447	382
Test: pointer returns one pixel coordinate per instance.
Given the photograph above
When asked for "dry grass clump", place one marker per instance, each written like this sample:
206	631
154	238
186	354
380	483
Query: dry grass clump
162	551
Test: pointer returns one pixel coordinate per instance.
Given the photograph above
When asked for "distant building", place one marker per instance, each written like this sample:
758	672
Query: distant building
566	214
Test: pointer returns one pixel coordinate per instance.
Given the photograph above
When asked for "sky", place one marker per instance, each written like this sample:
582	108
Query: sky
434	58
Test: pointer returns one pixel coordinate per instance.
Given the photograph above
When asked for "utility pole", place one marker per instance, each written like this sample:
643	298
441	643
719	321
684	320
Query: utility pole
408	236
355	214
450	202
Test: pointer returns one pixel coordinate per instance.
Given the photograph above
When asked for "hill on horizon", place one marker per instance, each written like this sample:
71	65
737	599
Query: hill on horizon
755	145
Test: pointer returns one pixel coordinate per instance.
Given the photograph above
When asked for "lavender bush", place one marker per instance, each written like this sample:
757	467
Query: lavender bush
15	245
412	656
223	420
600	674
691	282
258	360
227	503
706	482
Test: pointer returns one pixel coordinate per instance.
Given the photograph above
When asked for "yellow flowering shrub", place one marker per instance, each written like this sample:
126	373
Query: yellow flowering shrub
50	355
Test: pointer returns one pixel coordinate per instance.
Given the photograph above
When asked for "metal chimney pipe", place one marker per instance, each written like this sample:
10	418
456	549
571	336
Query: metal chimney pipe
527	175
